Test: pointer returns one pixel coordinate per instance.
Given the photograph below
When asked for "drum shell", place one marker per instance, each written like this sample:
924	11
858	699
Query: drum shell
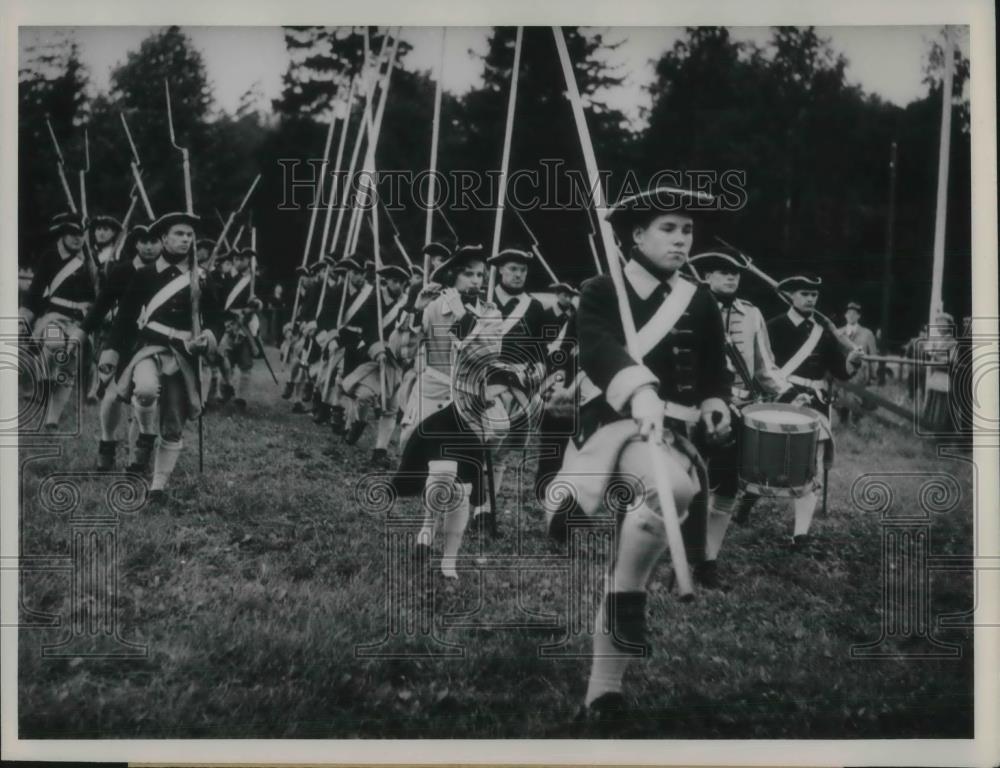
777	459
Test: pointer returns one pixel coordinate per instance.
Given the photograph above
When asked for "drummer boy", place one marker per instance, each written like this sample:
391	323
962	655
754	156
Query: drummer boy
808	354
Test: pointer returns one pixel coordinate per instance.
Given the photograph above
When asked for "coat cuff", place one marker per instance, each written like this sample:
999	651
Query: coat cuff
625	383
374	349
213	343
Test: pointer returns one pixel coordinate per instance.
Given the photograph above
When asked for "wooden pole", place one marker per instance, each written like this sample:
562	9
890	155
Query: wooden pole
887	264
505	160
435	135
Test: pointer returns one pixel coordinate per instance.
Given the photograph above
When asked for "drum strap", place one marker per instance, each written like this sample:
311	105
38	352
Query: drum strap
805	350
666	317
242	283
69	268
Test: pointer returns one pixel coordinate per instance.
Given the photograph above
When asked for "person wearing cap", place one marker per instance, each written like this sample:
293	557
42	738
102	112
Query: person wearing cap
236	349
849	404
452	413
58	299
300	385
104	231
559	390
523	349
363	385
326	356
140	249
346	342
155	350
675	393
808	354
755	377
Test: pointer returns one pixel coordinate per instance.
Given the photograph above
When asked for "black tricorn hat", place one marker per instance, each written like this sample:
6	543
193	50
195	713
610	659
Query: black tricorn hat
639	210
168	220
800	283
462	255
137	233
724	258
105	221
563	288
394	272
65	224
436	249
508	255
352	263
205	243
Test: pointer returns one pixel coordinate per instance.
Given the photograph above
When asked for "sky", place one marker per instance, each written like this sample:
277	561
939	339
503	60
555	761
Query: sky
887	61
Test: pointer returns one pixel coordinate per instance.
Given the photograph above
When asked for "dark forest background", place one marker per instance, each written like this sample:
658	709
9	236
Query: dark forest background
815	150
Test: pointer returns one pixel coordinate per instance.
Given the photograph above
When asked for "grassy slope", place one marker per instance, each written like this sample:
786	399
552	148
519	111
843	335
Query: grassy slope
253	586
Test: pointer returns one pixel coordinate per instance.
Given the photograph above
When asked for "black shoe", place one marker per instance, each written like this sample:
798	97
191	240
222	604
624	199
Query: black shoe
802	542
706	574
144	446
106	455
354	434
156	497
606	715
240	404
379	459
307	391
299	407
286	393
338	424
322	414
742	516
227	392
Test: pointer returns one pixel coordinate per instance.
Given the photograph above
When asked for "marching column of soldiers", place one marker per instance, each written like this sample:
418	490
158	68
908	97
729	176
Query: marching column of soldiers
469	379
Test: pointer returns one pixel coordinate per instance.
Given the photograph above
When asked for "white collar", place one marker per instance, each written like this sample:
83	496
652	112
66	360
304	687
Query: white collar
644	282
63	253
796	318
137	263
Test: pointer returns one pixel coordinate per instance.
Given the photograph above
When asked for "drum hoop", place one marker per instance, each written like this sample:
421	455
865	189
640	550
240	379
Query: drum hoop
767	426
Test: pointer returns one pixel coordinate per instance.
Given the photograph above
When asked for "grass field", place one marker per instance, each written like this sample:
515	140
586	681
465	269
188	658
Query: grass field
253	586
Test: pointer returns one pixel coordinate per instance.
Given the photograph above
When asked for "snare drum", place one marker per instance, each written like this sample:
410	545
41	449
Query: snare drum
778	449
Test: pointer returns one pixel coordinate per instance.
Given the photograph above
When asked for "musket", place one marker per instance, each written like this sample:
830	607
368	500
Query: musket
245	326
136	164
185	157
195	271
534	244
395	236
229	222
61	166
126	222
89	256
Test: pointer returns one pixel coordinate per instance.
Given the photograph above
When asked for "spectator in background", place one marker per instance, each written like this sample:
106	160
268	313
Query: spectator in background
849	404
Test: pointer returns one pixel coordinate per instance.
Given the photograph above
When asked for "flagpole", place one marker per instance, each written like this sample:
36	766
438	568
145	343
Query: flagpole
940	221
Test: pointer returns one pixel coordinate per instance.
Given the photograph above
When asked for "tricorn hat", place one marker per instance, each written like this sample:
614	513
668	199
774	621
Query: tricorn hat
394	272
563	288
508	255
725	259
639	210
65	224
168	220
800	283
462	255
854	305
105	221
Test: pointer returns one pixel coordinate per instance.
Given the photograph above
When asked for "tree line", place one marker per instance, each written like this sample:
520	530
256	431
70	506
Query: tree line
813	149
